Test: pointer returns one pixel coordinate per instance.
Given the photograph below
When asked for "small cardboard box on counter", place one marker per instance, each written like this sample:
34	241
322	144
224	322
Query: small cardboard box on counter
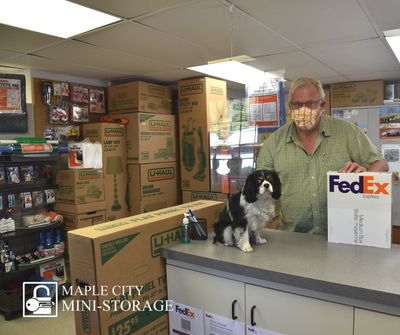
202	105
80	186
152	187
79	216
139	96
150	138
360	208
358	93
125	253
113	140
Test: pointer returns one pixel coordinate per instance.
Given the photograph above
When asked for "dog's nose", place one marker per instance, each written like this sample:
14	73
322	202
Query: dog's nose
266	185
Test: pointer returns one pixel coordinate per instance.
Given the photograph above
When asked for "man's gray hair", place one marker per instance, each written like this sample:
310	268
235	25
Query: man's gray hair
299	82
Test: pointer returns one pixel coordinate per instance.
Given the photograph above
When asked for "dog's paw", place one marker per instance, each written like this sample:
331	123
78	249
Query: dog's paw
246	247
261	241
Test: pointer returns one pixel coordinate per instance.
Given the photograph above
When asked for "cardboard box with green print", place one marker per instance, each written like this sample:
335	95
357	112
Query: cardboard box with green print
202	109
113	140
80	186
126	253
150	138
152	187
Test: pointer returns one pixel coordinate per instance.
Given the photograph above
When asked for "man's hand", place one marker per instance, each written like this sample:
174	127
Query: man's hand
352	167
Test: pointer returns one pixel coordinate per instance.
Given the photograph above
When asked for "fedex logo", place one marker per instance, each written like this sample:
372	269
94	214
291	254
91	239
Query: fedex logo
365	184
184	311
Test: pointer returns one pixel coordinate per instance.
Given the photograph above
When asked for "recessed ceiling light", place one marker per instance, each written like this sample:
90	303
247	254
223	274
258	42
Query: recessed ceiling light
234	71
393	38
59	18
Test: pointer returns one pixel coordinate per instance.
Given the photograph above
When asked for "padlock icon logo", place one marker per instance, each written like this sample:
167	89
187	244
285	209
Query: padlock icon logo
40	299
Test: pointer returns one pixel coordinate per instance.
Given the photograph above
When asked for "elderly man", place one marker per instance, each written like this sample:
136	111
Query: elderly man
302	151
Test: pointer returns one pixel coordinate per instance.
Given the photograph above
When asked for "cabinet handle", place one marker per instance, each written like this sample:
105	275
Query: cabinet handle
252	315
234	317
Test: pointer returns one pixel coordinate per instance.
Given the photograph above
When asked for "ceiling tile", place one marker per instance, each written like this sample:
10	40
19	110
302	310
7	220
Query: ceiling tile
129	8
307	22
58	66
385	13
21	40
361	57
81	53
295	64
209	23
139	40
5	55
388	75
173	75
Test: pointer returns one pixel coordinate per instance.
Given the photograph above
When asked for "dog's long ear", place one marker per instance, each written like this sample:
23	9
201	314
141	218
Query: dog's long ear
250	188
276	194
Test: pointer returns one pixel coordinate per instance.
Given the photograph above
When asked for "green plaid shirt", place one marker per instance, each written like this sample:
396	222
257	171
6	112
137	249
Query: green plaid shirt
303	204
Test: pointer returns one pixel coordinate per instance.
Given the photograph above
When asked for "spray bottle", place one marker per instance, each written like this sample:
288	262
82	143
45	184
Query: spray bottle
185	226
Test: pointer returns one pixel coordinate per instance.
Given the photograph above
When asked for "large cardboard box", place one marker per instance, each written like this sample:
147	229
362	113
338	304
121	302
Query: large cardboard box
360	208
139	96
359	93
150	138
126	253
188	196
80	186
113	140
152	187
79	216
202	107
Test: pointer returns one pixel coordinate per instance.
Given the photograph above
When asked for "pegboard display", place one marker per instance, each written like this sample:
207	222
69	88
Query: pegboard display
61	107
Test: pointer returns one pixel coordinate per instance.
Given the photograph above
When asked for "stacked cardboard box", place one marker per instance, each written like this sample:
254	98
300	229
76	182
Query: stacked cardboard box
80	200
150	138
126	253
152	186
80	197
113	140
139	96
150	144
202	111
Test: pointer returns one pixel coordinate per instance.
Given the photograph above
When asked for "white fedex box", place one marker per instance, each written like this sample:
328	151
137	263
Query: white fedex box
360	208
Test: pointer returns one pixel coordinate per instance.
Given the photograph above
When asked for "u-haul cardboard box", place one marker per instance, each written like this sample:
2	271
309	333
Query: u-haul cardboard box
79	216
80	186
359	208
152	187
150	138
116	255
202	105
139	96
113	140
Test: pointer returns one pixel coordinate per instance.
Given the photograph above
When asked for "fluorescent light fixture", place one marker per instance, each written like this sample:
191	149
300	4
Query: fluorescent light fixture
232	71
393	38
240	58
59	18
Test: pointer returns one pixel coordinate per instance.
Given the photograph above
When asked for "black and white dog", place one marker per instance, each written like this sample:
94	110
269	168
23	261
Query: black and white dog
247	212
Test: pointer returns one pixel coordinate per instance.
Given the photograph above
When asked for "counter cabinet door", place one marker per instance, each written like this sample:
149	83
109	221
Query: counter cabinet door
207	292
290	314
372	323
